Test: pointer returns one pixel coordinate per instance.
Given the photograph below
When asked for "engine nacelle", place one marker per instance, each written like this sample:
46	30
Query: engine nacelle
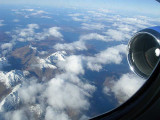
144	51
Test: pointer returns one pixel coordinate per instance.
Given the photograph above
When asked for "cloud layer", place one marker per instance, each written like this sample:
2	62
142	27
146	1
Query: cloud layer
124	87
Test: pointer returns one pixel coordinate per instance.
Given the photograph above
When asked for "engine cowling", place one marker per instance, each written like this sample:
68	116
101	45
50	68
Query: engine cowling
144	51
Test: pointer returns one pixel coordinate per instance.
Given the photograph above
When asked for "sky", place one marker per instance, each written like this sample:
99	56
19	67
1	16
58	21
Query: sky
143	6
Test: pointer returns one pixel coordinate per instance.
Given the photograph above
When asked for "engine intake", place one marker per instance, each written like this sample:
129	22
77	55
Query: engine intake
144	51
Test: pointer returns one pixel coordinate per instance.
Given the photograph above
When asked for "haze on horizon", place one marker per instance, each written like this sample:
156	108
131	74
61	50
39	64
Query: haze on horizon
140	6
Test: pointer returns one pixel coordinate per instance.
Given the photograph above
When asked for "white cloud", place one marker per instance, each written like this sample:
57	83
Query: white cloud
7	46
111	35
33	26
92	26
16	20
97	14
93	36
16	115
108	56
72	64
30	10
54	31
27	13
29	91
75	14
1	23
3	62
80	45
79	17
116	35
61	95
77	45
39	12
124	87
138	22
45	16
124	27
56	115
29	34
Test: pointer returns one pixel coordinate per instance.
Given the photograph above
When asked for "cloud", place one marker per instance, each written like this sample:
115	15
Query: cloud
57	115
30	10
138	21
75	14
16	20
124	27
111	35
92	36
80	44
92	26
1	23
116	35
29	91
7	46
97	14
75	62
29	34
3	63
39	12
77	45
54	31
33	26
16	115
45	16
62	95
27	13
79	17
109	56
124	87
135	22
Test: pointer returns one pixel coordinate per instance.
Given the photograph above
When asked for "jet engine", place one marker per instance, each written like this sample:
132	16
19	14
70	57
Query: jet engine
144	51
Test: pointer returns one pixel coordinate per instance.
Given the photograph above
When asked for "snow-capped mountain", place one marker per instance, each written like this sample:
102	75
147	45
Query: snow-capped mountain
11	101
12	78
57	56
50	61
42	63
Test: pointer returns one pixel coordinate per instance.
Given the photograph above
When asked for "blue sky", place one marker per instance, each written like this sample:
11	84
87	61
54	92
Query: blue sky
143	6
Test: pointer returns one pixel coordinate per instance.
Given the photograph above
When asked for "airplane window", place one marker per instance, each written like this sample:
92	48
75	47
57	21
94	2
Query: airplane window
67	60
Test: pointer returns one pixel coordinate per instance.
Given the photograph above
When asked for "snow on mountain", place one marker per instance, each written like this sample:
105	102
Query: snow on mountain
11	101
42	63
12	78
50	61
57	56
